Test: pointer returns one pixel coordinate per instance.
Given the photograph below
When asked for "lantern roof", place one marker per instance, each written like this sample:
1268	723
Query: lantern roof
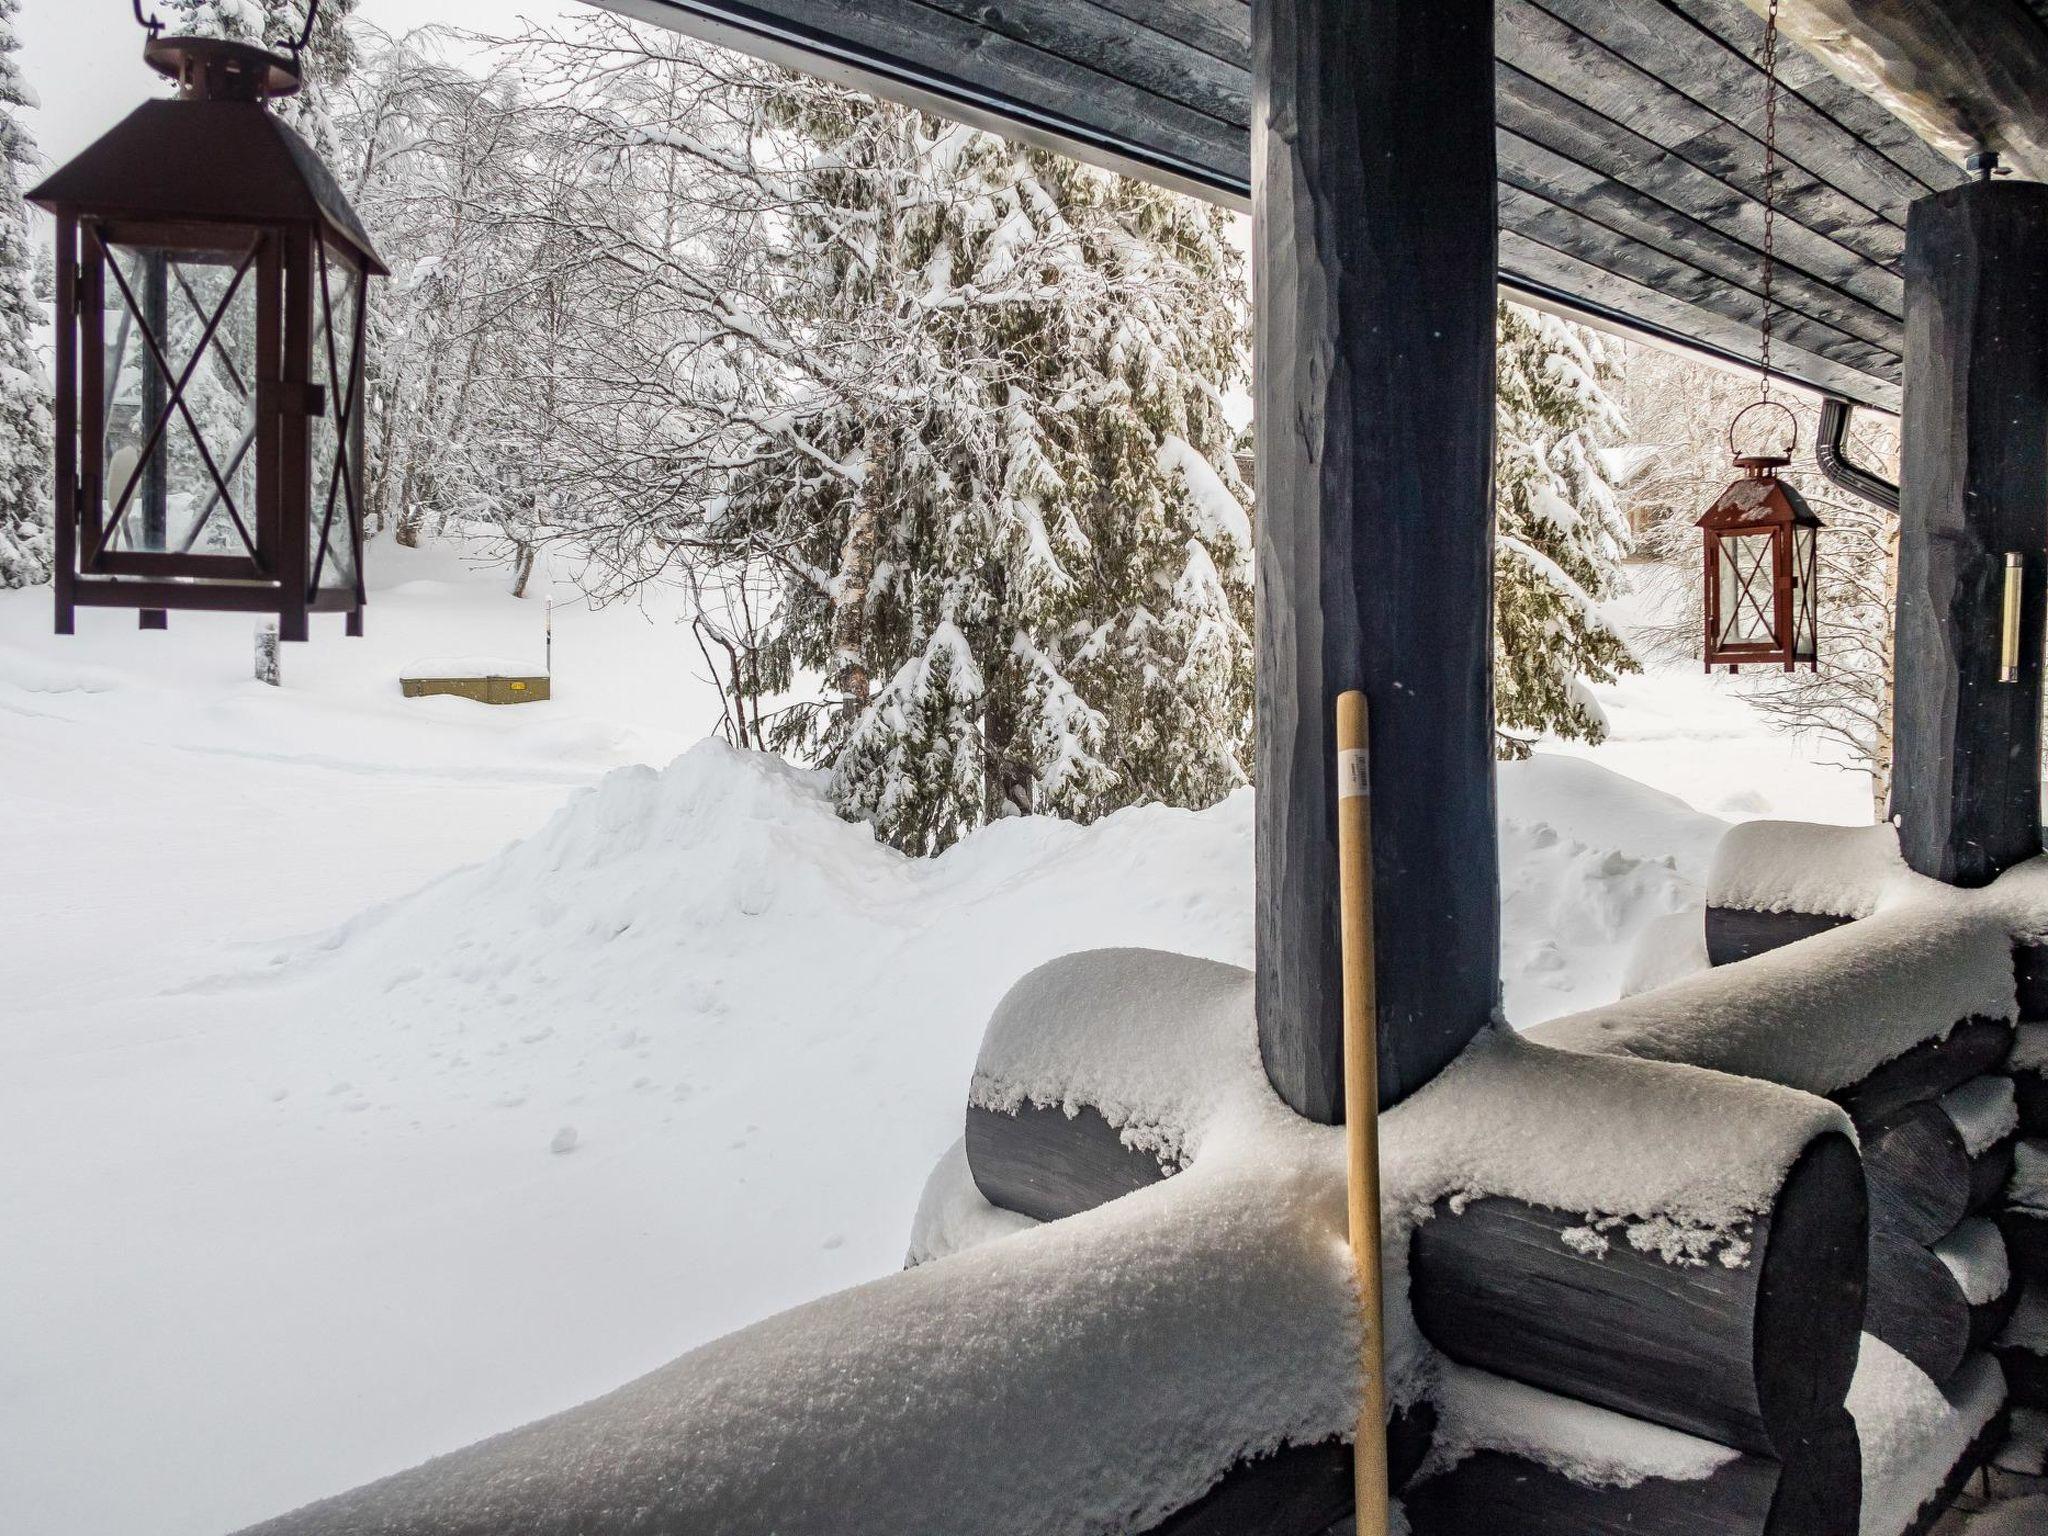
1759	500
207	162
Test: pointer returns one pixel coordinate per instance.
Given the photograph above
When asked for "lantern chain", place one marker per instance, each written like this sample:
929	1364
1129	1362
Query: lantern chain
1770	69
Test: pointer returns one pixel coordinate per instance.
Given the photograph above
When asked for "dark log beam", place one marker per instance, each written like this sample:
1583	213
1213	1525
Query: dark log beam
1972	1048
1735	933
1374	228
1300	1490
1751	1356
1918	1170
1816	1494
1966	781
1914	1305
1045	1164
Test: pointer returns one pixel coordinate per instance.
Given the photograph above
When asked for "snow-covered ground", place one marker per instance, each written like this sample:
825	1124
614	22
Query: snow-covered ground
326	1153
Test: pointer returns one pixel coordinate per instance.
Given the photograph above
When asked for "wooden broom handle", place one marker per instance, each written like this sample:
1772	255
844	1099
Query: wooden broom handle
1362	1097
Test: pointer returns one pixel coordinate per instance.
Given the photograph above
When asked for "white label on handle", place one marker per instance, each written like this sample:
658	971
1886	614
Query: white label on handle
1354	774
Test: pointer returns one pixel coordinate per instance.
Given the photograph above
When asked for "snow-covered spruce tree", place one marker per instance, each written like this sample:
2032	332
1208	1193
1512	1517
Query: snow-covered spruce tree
1560	531
24	401
1023	559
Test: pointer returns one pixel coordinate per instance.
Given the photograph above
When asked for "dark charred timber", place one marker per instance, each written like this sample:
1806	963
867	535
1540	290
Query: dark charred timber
1302	1489
1966	782
2026	1376
2030	1092
2026	1242
1988	1319
1914	1304
1818	1493
1990	1172
1971	1049
2030	980
1375	241
1045	1164
1750	1357
1919	1174
1735	933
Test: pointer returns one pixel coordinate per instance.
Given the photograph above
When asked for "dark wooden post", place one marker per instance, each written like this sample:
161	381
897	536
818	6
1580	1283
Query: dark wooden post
1374	208
1966	776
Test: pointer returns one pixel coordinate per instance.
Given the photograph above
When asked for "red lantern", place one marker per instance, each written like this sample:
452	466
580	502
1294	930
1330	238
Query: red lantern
209	349
1762	594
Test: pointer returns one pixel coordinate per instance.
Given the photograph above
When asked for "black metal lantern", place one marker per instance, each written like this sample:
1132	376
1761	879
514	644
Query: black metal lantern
1762	595
209	356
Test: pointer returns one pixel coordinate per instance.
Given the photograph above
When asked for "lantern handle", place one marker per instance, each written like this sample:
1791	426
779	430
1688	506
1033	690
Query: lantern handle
152	24
305	32
1757	405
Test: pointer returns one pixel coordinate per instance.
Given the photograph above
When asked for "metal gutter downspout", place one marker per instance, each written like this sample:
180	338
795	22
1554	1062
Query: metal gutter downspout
1832	453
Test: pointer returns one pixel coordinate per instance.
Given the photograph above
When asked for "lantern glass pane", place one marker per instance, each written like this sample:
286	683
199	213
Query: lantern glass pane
337	438
1805	594
179	469
1747	578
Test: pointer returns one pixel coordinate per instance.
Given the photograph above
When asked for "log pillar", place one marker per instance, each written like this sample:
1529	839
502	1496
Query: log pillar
1374	266
1973	485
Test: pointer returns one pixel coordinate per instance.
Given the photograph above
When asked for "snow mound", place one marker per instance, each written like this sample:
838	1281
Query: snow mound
1150	1039
467	666
1592	866
1912	1431
1985	1111
953	1215
1975	1255
966	1375
2028	1187
1477	1411
1797	866
1824	1013
2030	1049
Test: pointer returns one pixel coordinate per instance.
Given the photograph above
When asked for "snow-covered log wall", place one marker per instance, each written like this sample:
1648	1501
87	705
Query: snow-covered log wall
1628	1259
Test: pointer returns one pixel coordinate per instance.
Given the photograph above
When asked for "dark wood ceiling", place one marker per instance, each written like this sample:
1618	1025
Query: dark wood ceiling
1630	142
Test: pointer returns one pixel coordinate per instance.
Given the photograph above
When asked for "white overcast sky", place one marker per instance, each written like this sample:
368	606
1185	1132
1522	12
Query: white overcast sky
84	57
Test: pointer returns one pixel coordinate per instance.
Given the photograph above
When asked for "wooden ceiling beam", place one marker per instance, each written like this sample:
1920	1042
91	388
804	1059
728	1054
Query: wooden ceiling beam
1531	170
1571	233
1963	74
1573	284
1534	111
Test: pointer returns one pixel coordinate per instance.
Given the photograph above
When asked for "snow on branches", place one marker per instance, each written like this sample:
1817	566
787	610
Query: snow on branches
25	486
1561	532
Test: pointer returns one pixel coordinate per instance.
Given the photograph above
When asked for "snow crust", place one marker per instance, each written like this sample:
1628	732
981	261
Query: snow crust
1220	516
843	1404
1975	1255
1912	1432
1150	1039
469	666
1243	1251
953	1215
1477	1411
2030	1049
2028	1187
2028	1329
1985	1111
1798	866
1824	1013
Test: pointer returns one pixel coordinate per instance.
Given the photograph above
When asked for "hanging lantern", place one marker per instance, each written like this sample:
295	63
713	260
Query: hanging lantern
1762	564
209	355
